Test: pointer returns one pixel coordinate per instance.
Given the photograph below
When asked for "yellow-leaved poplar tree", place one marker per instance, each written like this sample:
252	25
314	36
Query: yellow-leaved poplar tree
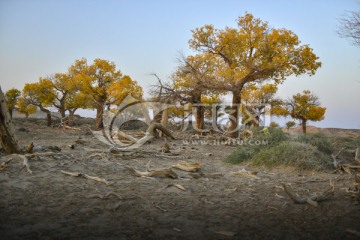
104	84
305	107
40	94
25	107
11	97
252	52
191	82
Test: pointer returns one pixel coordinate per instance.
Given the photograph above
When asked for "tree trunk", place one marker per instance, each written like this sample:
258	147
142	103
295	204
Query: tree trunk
71	121
62	112
234	115
99	116
199	113
48	115
214	117
199	117
10	112
8	140
303	124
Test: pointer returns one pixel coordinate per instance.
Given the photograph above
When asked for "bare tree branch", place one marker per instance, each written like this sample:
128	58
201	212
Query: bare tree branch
350	27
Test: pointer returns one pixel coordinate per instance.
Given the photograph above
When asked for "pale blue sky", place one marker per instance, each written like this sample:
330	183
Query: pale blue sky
39	38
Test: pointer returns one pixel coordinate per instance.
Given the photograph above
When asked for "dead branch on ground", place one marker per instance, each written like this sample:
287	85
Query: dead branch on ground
314	200
77	174
347	168
188	167
121	134
246	173
71	128
177	186
336	162
162	172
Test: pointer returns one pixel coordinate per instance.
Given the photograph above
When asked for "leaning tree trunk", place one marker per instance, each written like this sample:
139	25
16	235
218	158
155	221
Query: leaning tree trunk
234	115
8	140
99	116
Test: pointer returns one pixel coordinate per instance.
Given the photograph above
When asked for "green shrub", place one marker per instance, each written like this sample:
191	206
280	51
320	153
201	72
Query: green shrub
318	140
242	154
245	152
290	153
277	136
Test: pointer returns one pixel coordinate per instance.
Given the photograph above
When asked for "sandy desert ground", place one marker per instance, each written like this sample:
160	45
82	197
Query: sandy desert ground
214	204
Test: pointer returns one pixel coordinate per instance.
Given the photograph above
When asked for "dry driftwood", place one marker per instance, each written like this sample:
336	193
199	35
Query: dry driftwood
162	172
150	133
177	186
127	137
70	128
344	167
310	200
77	174
336	162
245	173
188	167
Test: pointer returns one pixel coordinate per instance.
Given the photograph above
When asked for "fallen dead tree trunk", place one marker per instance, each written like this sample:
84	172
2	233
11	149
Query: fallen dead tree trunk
314	200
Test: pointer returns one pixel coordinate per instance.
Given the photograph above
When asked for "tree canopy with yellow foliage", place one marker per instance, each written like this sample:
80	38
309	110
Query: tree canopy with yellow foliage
40	94
305	107
104	84
192	83
25	107
252	52
11	97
